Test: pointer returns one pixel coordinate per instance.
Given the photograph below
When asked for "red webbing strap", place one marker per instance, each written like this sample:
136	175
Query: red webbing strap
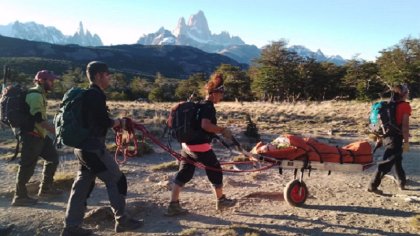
178	156
123	138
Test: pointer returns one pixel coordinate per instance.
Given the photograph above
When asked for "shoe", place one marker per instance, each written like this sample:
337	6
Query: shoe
7	230
376	191
223	203
75	231
174	209
49	192
24	201
127	224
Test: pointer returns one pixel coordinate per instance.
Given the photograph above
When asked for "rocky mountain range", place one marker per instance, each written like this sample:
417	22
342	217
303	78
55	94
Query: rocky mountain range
196	33
38	32
318	55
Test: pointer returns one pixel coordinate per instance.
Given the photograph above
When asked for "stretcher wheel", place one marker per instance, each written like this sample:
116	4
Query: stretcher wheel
295	193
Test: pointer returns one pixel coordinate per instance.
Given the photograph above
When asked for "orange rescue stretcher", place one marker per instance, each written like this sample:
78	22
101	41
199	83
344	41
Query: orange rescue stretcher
300	154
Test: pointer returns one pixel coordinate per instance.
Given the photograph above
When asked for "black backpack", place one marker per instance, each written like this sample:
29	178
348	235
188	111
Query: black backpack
183	121
14	110
382	119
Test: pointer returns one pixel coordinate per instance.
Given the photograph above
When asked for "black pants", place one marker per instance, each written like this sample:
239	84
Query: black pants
95	164
186	170
392	157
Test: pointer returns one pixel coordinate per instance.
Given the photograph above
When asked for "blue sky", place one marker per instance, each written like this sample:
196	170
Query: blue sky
344	27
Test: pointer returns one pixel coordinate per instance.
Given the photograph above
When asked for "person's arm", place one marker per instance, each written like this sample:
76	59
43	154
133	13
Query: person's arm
406	128
48	126
35	102
210	127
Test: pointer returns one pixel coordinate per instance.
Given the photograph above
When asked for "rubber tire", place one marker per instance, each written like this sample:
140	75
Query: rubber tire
291	193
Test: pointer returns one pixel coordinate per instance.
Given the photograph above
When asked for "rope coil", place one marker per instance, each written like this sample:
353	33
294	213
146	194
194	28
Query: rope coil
125	136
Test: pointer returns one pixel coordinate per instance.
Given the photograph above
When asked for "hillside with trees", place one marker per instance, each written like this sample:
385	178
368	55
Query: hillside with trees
172	73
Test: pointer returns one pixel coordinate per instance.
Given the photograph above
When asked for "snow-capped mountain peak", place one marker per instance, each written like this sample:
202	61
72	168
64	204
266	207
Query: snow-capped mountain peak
38	32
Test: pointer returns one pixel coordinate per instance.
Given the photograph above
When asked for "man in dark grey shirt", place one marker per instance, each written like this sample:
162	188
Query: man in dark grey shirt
95	161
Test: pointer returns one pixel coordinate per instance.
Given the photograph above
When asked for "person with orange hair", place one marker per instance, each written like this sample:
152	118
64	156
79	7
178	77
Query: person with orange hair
397	144
201	151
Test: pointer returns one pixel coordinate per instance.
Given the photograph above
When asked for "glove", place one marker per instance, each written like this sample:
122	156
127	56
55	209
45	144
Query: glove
123	123
406	147
126	124
227	134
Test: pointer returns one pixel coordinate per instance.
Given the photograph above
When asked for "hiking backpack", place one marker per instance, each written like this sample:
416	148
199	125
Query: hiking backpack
183	121
382	119
69	120
14	110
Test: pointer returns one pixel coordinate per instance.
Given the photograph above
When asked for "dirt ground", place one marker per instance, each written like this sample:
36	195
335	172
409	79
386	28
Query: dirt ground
338	204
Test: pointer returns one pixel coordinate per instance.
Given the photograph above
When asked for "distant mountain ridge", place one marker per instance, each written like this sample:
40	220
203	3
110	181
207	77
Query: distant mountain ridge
196	33
169	60
318	55
38	32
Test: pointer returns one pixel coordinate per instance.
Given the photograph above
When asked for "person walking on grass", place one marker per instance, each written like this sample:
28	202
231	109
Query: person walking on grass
395	145
201	151
95	161
36	143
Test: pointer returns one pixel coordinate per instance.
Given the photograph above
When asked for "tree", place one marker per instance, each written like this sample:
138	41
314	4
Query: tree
162	89
193	84
139	88
401	64
237	83
361	80
276	72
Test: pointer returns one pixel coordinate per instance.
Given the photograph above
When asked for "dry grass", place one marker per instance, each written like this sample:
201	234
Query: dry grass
64	180
233	230
166	166
415	222
341	118
316	119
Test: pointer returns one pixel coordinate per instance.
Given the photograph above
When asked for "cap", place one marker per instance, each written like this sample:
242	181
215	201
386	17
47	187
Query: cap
404	88
45	74
96	67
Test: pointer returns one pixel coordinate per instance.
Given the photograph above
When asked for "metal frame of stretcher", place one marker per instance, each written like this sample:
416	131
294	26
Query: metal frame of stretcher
296	192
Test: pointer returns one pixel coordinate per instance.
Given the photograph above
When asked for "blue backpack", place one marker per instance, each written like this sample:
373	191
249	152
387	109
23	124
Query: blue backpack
382	121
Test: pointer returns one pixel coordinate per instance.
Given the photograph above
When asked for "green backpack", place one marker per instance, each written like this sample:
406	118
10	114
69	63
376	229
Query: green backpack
68	121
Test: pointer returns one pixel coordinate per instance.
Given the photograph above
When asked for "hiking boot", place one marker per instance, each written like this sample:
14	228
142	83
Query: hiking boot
402	187
75	231
223	203
127	224
376	191
49	192
24	201
6	230
174	209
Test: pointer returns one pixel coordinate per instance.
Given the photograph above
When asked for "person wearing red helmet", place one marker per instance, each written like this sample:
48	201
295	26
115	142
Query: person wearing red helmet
36	142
